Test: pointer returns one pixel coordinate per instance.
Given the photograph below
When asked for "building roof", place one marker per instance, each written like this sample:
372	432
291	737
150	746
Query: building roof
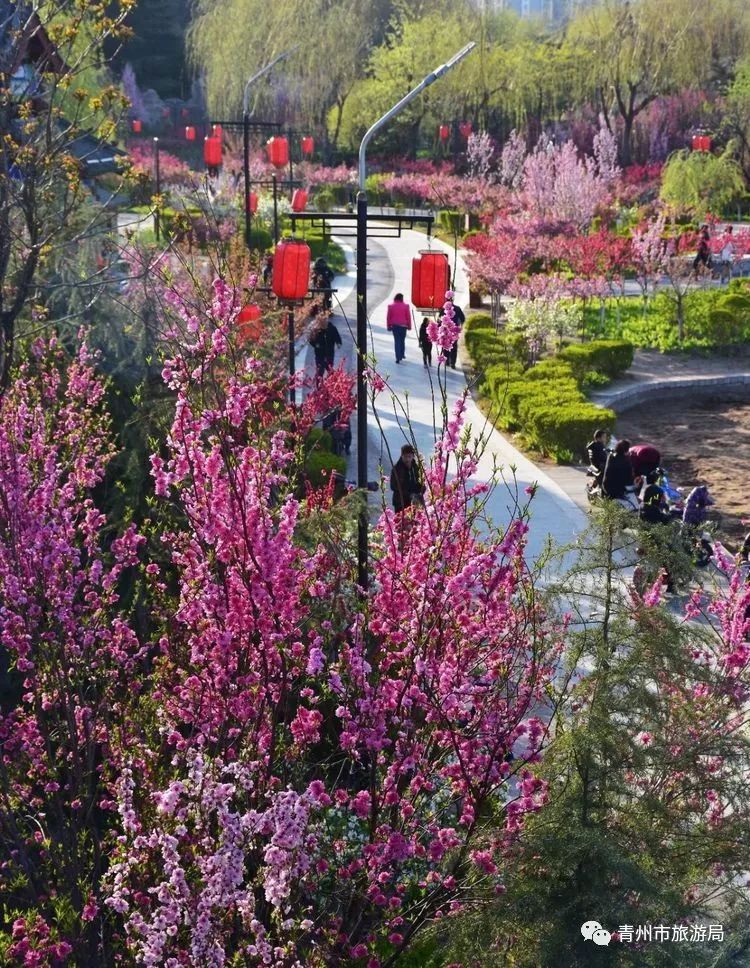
24	38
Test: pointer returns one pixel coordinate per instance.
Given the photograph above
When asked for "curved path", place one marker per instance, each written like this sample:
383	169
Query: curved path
413	391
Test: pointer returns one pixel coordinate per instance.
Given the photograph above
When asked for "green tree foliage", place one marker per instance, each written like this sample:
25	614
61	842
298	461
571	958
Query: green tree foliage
630	54
644	741
698	183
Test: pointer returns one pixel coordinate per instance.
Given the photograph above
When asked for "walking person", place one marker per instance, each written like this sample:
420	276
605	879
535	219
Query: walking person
425	342
324	339
726	256
398	322
406	482
323	279
459	319
703	255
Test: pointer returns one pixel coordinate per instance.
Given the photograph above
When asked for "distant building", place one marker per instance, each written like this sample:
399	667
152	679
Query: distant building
554	10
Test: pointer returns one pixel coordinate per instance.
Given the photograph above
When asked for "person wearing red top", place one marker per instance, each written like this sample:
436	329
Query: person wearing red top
398	322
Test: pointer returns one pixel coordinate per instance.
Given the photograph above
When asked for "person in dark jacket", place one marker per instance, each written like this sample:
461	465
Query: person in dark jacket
653	509
425	343
324	341
596	449
459	319
618	472
406	483
323	279
644	458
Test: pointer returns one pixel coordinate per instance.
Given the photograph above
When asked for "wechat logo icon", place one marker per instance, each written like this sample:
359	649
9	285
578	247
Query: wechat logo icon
593	931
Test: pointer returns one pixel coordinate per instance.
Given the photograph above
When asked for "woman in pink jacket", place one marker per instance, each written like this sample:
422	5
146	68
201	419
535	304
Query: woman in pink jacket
398	322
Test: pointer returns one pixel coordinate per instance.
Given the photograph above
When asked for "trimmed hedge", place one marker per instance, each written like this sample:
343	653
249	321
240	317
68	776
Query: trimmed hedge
608	356
320	461
545	403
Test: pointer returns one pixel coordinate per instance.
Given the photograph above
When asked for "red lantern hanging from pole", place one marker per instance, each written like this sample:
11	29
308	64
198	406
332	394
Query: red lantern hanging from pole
299	200
249	326
465	129
190	133
212	152
291	270
137	125
308	145
444	132
701	142
430	280
278	151
252	203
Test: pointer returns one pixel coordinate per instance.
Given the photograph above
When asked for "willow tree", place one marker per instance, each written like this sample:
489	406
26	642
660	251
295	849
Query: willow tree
630	54
229	40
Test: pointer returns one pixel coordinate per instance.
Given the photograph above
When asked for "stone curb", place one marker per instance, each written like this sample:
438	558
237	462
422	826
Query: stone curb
625	399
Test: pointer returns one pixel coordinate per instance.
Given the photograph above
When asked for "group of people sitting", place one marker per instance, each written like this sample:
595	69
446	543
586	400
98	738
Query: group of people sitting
629	470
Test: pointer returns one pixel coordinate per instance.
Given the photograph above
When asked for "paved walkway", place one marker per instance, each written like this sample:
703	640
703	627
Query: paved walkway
410	409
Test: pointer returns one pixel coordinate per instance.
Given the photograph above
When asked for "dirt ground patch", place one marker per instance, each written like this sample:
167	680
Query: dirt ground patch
703	441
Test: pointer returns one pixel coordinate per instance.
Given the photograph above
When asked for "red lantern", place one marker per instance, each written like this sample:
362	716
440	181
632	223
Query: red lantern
465	130
190	133
308	145
212	152
249	326
701	142
278	152
299	200
217	131
291	269
252	203
430	279
444	132
137	125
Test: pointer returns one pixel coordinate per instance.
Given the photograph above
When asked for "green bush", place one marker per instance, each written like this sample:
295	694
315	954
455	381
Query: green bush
479	321
318	439
450	221
562	430
320	465
545	403
610	357
261	238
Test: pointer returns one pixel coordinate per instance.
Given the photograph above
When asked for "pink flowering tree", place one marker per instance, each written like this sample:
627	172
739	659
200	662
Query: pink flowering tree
329	772
74	662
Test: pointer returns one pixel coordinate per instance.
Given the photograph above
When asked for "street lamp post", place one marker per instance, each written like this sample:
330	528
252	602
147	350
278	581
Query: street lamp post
157	219
246	131
362	531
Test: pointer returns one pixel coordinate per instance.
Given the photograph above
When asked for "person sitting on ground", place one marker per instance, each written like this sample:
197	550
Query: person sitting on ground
618	471
696	506
425	342
644	458
653	506
406	482
596	449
